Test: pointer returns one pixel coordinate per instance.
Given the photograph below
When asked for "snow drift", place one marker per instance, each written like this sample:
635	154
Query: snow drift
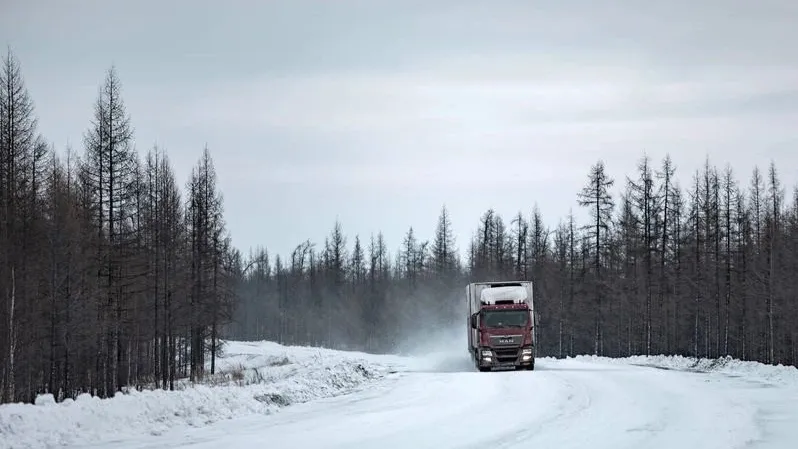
727	366
253	378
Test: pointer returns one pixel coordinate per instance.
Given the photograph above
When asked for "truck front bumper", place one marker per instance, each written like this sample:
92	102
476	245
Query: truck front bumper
506	357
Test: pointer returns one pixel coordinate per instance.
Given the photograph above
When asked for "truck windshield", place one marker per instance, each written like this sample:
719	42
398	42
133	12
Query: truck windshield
505	318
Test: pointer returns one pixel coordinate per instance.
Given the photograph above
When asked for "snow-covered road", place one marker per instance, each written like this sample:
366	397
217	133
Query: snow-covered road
575	403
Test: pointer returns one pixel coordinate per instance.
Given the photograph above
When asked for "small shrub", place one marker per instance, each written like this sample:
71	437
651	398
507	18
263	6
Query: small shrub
280	362
237	374
273	398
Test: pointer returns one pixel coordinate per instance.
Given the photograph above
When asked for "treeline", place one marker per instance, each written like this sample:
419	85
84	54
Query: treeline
351	294
707	270
109	275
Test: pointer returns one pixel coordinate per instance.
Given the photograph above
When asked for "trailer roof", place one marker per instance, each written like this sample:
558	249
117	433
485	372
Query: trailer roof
516	294
502	283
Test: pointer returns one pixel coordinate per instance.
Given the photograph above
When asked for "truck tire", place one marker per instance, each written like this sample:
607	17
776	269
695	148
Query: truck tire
481	369
527	367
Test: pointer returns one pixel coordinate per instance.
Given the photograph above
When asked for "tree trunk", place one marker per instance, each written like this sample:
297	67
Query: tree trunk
12	342
771	287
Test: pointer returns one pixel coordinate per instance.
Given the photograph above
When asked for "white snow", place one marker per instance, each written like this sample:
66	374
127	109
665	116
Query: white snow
355	400
728	366
507	293
253	378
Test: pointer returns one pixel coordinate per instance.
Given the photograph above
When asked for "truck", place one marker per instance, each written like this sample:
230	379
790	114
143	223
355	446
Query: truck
501	325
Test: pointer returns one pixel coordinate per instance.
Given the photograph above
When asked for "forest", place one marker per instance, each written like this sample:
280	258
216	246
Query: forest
705	270
114	273
110	273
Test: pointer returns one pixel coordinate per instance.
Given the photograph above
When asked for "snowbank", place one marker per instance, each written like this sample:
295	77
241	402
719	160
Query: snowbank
253	378
754	371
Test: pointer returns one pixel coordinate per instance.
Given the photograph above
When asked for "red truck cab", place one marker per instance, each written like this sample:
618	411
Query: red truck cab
501	325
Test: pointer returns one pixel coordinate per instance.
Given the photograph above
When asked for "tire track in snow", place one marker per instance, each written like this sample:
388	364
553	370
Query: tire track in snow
577	400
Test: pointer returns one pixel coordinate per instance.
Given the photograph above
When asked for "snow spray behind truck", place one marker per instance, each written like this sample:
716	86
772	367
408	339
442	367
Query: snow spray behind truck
501	325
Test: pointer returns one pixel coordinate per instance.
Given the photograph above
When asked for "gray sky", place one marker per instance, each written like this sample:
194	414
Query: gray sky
377	113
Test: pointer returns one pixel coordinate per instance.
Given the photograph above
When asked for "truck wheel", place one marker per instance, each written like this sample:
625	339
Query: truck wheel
480	368
526	367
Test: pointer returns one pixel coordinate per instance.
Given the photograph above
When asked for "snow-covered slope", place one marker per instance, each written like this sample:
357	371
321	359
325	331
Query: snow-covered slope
253	378
437	402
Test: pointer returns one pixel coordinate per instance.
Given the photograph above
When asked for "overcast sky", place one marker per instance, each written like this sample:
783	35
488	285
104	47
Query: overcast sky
377	113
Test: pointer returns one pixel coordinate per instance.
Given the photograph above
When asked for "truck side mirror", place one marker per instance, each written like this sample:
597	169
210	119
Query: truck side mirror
474	321
537	318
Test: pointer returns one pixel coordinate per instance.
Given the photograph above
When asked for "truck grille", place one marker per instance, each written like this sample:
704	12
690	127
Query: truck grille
505	340
506	354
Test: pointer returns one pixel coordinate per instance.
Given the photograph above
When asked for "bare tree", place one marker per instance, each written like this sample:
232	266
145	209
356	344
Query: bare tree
595	196
647	203
205	226
729	220
666	189
22	165
775	198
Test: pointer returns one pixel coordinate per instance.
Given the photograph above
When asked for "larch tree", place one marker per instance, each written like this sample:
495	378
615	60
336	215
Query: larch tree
729	220
775	217
647	202
597	198
23	164
664	290
110	171
443	249
520	236
205	226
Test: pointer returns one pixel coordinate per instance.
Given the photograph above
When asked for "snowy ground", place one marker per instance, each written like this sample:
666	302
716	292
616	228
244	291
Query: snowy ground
253	379
354	400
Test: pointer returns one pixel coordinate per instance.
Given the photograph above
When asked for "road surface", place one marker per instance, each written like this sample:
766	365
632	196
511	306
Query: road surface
562	404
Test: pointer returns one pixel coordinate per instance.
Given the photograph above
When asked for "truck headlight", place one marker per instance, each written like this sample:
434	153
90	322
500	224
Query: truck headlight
526	351
486	353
